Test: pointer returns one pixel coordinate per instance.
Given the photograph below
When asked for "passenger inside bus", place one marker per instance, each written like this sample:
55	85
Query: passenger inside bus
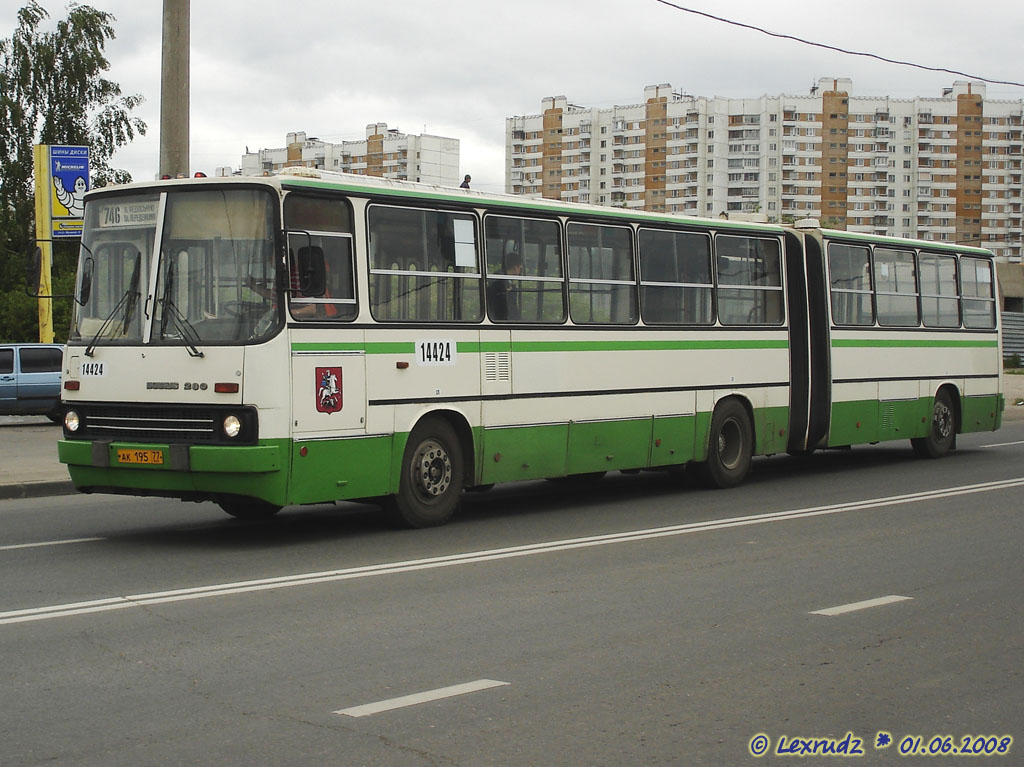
503	295
312	287
310	278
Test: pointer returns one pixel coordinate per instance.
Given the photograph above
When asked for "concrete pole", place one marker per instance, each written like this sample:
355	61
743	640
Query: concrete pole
174	89
41	282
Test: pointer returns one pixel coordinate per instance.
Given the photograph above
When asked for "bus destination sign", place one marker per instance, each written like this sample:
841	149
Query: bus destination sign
128	214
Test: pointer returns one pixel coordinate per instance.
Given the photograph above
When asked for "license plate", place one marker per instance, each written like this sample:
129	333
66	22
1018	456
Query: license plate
149	457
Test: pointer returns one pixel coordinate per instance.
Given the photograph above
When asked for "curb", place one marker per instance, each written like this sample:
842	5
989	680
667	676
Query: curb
37	489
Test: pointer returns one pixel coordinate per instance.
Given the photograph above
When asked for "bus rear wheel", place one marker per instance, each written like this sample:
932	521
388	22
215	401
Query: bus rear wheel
432	476
730	446
248	508
941	431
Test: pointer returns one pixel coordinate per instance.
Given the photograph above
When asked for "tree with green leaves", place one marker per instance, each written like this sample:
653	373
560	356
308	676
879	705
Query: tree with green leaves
53	91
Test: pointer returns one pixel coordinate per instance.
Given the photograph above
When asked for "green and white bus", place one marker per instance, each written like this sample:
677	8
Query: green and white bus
314	337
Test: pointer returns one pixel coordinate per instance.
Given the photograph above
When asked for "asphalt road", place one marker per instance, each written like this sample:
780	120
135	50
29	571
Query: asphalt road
630	622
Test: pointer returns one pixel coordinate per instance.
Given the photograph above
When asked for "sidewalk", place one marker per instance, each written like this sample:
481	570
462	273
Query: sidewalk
28	449
28	459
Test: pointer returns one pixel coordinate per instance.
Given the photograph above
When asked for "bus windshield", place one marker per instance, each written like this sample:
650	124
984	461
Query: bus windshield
215	273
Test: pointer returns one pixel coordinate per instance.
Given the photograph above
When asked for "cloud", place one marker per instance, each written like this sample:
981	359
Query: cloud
459	67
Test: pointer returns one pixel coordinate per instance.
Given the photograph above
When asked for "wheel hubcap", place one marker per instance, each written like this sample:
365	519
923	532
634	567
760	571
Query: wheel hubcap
432	470
942	420
730	444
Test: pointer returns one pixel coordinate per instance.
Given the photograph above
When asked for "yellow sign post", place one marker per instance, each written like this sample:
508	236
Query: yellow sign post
61	180
44	223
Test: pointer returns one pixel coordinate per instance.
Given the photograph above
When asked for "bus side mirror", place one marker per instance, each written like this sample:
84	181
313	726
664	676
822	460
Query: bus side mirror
85	288
312	273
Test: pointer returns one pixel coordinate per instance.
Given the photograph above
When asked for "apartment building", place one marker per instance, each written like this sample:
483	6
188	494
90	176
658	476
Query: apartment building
384	152
945	168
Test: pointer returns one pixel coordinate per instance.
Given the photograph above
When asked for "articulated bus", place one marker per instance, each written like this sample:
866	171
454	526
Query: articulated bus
315	337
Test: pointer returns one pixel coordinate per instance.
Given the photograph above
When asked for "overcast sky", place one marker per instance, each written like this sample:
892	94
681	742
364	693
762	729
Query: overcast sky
262	68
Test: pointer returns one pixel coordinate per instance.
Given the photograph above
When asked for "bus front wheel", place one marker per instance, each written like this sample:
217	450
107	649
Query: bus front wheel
941	431
730	446
432	476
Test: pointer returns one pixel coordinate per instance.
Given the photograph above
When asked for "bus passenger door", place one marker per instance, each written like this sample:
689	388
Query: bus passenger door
809	360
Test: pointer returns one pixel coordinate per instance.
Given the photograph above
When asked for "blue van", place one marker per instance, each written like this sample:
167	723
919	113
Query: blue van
30	379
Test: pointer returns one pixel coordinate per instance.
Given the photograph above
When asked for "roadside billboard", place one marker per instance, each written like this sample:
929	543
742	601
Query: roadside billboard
68	182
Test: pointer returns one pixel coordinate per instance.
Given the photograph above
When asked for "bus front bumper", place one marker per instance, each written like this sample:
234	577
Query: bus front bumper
223	459
188	472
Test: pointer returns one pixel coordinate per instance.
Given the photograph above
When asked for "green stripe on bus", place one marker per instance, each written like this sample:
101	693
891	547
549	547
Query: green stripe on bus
479	347
475	347
664	345
328	347
390	347
904	343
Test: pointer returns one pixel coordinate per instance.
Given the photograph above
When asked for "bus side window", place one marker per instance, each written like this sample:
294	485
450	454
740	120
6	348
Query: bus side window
849	268
939	305
322	278
424	265
675	278
749	280
602	283
896	287
524	270
979	305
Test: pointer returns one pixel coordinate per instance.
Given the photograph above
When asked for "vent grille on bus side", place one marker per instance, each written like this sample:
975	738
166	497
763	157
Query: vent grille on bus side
888	417
497	366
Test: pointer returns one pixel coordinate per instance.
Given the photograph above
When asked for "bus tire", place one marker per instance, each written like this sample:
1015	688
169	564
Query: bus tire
432	476
941	430
248	508
730	446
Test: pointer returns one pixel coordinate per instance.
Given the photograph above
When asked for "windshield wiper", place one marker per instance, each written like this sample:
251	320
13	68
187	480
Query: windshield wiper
188	332
128	302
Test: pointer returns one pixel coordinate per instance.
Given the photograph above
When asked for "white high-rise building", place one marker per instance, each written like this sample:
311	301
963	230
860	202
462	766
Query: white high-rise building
384	152
946	168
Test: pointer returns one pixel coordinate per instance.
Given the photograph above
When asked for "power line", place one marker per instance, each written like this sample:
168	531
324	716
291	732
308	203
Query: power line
839	50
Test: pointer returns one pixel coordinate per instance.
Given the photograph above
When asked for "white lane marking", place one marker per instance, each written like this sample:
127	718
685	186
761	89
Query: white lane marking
421	697
861	605
489	555
1005	444
13	546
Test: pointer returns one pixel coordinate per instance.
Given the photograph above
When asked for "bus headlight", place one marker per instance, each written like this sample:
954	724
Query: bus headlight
232	426
72	421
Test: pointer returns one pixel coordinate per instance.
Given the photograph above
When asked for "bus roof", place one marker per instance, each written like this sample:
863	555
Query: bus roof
903	241
313	178
310	178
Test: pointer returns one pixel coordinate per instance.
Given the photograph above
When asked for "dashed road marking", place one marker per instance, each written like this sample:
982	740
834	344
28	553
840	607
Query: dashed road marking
421	697
853	606
11	547
488	555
